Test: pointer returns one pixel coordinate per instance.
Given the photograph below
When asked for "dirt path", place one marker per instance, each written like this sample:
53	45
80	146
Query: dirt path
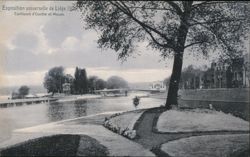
151	139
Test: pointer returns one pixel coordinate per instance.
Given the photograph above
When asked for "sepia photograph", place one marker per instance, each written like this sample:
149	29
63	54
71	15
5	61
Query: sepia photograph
124	78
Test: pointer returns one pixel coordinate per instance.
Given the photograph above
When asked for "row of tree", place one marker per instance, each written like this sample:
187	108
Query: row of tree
80	83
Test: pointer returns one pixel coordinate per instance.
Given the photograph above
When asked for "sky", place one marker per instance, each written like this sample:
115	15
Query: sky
31	45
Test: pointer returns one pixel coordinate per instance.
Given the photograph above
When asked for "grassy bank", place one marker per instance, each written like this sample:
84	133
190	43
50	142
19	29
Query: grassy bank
58	145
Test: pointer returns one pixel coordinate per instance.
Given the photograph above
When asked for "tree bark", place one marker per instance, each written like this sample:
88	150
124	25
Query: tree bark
174	81
172	98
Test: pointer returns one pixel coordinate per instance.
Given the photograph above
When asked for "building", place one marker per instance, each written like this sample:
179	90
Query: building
234	74
158	85
66	88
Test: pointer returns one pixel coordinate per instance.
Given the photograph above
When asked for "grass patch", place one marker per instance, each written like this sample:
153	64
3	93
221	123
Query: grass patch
91	147
123	123
209	146
199	120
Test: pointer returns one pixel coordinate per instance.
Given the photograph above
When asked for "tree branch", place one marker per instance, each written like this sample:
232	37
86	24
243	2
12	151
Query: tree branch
125	6
214	22
161	9
176	7
143	25
200	4
213	2
153	38
216	36
194	43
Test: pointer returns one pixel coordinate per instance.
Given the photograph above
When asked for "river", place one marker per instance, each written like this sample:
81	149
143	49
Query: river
35	114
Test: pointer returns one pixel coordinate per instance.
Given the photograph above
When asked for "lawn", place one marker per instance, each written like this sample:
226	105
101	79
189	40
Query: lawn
58	145
209	146
199	120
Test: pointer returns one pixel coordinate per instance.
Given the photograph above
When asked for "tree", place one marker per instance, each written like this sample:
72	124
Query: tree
115	82
247	67
23	91
15	95
81	81
95	83
70	79
191	75
169	27
100	84
76	81
54	79
166	81
92	83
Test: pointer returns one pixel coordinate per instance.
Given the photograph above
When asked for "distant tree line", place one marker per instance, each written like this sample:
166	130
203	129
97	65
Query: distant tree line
21	93
80	83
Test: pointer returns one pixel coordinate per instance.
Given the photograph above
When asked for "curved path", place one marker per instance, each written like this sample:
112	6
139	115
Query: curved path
151	139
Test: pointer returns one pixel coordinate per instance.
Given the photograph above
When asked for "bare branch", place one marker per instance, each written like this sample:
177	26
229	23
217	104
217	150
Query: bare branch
125	6
153	38
213	2
176	7
145	26
161	9
215	35
200	4
194	43
218	21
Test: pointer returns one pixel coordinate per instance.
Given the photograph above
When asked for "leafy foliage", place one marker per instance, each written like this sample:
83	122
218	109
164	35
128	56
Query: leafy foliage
81	81
95	83
54	79
171	28
212	25
115	82
23	91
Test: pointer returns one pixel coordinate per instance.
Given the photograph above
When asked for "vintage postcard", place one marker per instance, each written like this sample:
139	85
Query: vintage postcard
124	78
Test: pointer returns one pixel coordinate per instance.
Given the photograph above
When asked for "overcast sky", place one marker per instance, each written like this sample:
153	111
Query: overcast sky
30	46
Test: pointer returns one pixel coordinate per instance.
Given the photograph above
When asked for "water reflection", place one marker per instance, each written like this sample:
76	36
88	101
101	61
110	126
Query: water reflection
55	111
72	109
66	110
31	115
80	108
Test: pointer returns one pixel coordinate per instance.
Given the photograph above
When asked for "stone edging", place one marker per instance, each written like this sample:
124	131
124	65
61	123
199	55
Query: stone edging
124	133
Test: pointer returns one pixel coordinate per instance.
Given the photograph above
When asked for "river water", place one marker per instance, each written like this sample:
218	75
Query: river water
35	114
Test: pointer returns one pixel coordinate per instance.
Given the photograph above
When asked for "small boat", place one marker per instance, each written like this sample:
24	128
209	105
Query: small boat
136	101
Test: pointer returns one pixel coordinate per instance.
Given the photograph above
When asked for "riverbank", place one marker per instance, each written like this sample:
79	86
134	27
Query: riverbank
18	102
58	98
76	97
90	126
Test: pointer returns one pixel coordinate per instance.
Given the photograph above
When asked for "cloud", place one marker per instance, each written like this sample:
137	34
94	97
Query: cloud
40	43
70	44
27	78
22	60
59	28
25	41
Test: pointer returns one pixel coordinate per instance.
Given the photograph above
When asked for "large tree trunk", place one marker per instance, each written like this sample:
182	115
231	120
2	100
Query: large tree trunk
174	81
178	58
